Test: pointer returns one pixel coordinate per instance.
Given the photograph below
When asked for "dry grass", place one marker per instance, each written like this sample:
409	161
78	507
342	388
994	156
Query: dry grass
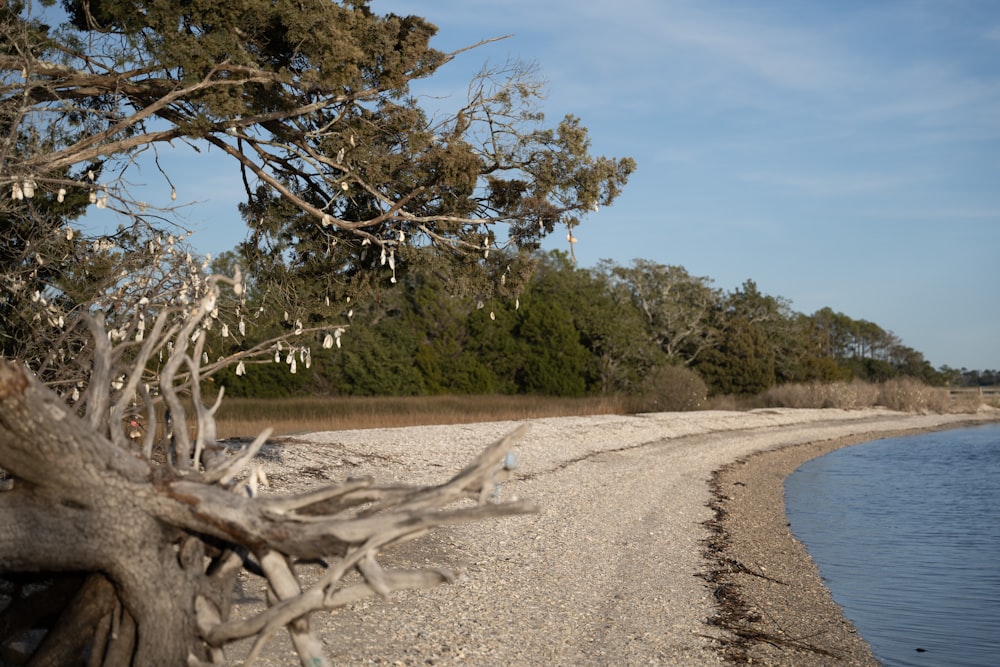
904	395
240	418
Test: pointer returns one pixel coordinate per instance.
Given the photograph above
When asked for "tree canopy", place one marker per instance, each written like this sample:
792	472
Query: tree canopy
341	166
346	178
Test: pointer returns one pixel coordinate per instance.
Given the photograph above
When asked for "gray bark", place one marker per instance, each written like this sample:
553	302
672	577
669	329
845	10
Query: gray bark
159	547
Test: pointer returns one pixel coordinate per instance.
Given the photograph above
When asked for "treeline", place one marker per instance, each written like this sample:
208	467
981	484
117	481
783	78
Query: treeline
571	331
963	377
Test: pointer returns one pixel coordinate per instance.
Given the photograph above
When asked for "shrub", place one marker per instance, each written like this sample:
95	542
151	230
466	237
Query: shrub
669	389
909	395
844	395
901	394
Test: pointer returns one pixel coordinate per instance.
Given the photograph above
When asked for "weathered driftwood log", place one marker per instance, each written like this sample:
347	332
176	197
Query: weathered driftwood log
119	560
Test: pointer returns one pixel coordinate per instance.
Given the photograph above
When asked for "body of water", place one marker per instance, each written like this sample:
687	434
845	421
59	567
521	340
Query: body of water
906	534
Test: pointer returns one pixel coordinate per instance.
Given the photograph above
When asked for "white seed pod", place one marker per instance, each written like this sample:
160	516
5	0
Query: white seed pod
493	315
225	330
61	195
327	342
290	356
291	367
382	257
517	303
327	220
16	193
173	194
298	327
241	369
277	356
204	357
29	188
243	327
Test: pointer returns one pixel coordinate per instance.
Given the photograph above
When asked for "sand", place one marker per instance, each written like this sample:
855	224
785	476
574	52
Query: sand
662	540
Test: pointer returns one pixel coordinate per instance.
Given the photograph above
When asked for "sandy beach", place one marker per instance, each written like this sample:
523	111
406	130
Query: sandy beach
662	540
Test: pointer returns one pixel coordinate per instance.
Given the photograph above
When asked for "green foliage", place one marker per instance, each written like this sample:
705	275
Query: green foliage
678	308
567	331
742	363
552	360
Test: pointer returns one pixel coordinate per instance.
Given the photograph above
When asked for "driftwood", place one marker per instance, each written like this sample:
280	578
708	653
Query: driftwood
111	556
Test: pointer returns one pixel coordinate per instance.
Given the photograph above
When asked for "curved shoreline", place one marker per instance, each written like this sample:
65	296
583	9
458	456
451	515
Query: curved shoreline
772	600
652	526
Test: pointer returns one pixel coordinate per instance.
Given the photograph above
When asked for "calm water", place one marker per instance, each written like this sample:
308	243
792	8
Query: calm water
906	534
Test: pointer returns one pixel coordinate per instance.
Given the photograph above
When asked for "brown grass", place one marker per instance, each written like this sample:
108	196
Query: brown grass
904	395
242	417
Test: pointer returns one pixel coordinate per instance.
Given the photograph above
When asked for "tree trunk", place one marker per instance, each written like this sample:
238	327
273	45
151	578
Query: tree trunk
158	549
81	504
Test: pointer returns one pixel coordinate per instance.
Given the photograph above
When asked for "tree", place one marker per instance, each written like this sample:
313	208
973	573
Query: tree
678	308
343	173
551	359
609	328
743	361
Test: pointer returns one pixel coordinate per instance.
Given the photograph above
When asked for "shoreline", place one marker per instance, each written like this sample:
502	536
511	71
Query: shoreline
772	600
629	560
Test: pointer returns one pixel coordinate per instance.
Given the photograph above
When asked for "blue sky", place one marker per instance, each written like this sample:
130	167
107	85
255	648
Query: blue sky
842	154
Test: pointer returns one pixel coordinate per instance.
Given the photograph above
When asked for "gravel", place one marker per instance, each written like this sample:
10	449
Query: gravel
640	555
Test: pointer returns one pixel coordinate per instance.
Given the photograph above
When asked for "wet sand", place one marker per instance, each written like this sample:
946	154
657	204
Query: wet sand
770	594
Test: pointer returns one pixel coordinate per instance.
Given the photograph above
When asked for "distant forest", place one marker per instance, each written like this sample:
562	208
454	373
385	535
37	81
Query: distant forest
549	327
